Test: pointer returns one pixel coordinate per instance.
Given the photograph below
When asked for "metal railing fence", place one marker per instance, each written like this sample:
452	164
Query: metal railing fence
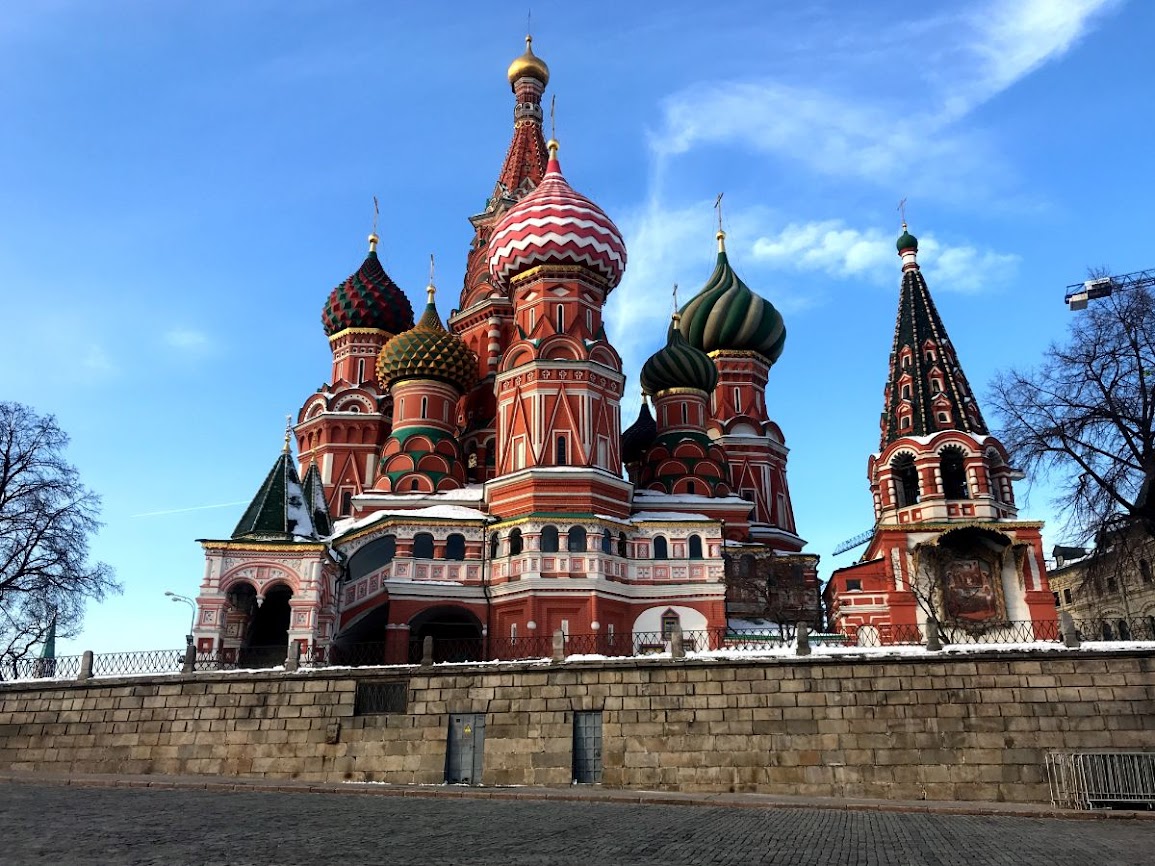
538	646
1096	780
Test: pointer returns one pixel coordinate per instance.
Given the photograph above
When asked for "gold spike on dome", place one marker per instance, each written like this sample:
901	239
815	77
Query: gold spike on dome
529	65
373	239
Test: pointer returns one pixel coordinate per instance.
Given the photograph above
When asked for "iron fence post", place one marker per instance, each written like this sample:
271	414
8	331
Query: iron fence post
190	659
427	651
802	631
933	638
1067	627
85	666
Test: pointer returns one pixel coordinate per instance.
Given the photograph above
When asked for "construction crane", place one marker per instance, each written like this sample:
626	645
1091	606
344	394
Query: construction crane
856	541
1078	294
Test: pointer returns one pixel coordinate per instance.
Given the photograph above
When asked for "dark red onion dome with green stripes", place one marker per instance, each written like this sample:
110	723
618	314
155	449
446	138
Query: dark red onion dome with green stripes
678	365
368	299
428	351
727	315
639	436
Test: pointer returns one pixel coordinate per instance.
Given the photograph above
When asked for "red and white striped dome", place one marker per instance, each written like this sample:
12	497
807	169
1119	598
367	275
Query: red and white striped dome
554	225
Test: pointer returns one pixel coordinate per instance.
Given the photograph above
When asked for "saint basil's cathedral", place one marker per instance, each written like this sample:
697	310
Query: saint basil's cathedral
462	478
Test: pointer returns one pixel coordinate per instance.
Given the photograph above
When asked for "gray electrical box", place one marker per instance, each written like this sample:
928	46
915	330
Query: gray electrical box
463	752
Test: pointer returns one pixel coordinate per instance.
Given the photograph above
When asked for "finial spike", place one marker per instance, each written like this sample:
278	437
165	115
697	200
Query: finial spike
553	117
430	290
675	299
721	236
902	212
288	431
373	238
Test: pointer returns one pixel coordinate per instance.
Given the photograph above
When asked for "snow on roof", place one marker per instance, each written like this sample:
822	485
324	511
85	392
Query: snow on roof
644	516
442	512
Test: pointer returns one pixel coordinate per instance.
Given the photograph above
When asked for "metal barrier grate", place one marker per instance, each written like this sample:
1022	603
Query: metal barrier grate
1098	780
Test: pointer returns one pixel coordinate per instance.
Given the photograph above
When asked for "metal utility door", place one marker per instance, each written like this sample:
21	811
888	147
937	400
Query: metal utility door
463	753
587	747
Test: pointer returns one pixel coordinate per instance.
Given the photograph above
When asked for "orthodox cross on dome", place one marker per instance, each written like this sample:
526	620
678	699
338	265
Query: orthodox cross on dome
431	290
721	233
373	238
902	211
677	316
553	117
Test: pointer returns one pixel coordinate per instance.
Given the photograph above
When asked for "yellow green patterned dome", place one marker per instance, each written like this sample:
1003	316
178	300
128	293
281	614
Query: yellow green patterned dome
428	351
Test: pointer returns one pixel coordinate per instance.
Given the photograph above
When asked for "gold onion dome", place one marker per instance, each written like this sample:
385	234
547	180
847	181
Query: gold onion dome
428	351
529	65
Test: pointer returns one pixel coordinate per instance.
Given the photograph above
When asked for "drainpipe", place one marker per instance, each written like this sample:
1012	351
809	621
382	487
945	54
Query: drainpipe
485	586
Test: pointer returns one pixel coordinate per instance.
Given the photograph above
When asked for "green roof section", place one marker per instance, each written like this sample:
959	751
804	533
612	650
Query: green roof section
726	314
314	490
279	511
678	365
931	381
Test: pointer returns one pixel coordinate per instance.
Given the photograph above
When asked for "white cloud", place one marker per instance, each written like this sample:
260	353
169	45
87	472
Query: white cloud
910	133
97	362
187	340
833	248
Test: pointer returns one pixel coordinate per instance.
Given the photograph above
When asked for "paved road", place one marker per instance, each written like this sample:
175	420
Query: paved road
45	824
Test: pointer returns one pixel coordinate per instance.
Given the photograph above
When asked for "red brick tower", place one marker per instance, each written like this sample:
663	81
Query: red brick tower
343	426
947	541
426	370
744	334
485	318
559	386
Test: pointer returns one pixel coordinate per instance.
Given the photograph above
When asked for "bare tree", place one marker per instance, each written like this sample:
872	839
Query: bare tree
772	587
46	520
1086	416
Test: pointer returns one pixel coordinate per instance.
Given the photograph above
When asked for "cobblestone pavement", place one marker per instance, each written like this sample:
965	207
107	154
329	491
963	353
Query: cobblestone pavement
47	824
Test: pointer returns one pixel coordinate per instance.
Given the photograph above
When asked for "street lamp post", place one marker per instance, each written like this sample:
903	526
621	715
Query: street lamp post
193	619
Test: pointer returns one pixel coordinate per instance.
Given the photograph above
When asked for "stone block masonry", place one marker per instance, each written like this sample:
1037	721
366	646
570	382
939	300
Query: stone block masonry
952	727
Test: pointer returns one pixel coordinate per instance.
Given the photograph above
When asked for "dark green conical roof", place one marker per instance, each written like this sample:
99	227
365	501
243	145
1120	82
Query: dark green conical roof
678	365
279	511
726	314
639	436
315	500
930	382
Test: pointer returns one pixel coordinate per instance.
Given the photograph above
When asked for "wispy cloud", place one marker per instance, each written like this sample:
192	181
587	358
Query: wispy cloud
187	340
97	362
192	508
911	133
833	248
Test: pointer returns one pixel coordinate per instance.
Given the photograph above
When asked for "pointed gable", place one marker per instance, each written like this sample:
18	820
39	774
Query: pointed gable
279	511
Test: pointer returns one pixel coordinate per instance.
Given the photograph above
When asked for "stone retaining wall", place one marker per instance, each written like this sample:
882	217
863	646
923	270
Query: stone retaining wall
964	727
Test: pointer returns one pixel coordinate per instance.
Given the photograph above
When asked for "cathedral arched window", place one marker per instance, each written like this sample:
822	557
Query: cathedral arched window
905	480
685	413
424	407
695	547
423	546
549	539
906	392
623	549
576	542
494	541
455	547
661	548
737	399
953	472
515	542
607	541
562	455
560	318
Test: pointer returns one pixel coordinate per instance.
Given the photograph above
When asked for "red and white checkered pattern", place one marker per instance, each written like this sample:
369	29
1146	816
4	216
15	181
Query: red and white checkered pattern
555	225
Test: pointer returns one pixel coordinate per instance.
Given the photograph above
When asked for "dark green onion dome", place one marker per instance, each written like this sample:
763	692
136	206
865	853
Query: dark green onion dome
678	365
428	351
906	241
639	436
727	315
367	299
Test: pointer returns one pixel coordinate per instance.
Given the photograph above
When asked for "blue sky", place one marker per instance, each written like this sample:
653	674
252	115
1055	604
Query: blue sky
181	185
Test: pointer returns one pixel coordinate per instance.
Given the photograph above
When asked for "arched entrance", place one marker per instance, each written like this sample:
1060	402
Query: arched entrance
456	634
267	641
363	642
